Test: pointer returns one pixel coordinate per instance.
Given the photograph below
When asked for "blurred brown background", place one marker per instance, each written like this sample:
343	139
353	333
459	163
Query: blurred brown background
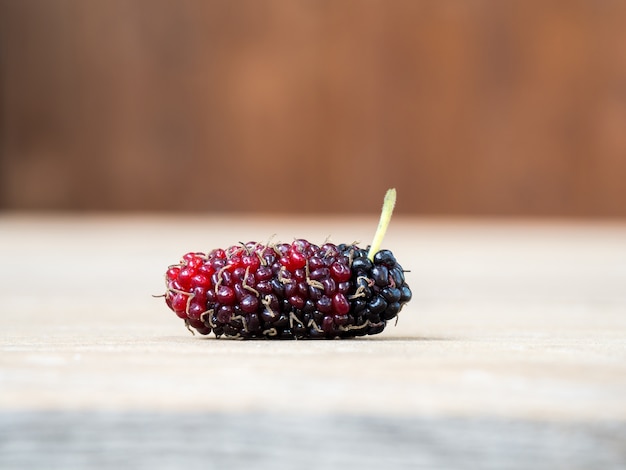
467	107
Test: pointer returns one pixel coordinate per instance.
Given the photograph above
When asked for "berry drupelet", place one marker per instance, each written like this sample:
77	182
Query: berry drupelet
289	291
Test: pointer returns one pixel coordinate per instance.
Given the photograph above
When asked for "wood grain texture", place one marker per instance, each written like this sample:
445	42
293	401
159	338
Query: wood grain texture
468	108
511	355
77	440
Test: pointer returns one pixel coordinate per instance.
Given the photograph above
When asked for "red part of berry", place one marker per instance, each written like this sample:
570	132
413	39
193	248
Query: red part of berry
340	304
172	273
340	272
201	280
226	295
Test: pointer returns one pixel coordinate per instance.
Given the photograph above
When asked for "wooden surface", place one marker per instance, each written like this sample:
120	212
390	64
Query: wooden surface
482	107
511	355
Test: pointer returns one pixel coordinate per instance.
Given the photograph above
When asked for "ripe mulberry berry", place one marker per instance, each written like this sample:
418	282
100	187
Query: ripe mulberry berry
290	291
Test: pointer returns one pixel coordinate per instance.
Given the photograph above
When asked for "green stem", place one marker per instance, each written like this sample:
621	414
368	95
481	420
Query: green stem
385	216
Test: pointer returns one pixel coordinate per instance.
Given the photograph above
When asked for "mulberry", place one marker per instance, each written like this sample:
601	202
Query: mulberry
290	291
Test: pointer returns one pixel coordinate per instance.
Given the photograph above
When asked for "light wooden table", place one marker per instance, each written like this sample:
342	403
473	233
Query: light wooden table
512	353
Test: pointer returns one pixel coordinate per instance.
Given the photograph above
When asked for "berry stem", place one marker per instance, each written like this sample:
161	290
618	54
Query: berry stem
385	216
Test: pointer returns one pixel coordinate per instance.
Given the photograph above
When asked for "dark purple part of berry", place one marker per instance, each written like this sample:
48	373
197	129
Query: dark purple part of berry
380	275
195	310
391	294
373	317
324	304
386	258
200	327
254	322
330	286
264	273
358	305
392	310
224	313
406	294
377	305
344	287
362	263
239	273
291	288
328	325
320	273
296	301
225	295
264	287
287	291
398	275
249	304
316	262
376	328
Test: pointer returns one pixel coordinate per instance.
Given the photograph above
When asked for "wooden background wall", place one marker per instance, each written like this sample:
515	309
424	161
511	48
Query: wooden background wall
467	107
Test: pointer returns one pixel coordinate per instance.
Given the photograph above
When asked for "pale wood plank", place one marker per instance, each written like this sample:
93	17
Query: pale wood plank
516	329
